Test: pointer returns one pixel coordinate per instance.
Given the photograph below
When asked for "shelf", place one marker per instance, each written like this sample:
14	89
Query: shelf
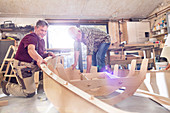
6	30
159	29
15	30
159	35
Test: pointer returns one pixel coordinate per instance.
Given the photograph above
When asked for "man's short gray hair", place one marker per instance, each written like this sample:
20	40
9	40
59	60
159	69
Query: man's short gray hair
42	23
73	31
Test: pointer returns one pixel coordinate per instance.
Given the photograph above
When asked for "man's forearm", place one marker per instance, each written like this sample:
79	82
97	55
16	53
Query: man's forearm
34	55
76	56
167	67
89	62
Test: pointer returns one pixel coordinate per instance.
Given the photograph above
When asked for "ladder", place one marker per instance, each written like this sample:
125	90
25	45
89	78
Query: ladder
9	60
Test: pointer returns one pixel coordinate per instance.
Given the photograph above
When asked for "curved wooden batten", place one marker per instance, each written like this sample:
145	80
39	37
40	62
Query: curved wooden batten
160	99
132	69
131	83
70	99
157	88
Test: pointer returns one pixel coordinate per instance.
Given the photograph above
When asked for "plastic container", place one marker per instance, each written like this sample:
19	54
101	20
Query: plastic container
161	65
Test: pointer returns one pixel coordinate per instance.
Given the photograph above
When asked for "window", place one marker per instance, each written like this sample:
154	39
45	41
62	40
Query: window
59	38
101	27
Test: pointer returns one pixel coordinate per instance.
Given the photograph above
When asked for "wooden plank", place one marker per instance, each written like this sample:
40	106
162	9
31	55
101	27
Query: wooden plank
61	72
73	74
159	82
3	103
91	76
153	83
36	79
116	67
164	101
132	68
120	62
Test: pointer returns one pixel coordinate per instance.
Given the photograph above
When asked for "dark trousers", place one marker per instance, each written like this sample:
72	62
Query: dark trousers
98	58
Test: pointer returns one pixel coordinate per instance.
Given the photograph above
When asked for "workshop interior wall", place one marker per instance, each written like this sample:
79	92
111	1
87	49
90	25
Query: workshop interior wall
157	16
118	31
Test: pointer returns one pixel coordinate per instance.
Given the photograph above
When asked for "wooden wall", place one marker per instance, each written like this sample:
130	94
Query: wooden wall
114	31
114	26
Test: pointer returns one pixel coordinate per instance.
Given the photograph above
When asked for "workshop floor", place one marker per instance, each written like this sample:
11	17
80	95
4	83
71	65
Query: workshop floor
40	104
37	104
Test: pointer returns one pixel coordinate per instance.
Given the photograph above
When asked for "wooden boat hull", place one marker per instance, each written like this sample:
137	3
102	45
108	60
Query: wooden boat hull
67	101
68	98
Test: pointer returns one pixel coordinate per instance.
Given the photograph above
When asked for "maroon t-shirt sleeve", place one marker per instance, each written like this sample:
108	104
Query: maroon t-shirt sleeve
22	52
30	40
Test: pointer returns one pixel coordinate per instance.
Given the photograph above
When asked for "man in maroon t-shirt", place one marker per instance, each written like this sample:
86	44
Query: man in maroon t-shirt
30	54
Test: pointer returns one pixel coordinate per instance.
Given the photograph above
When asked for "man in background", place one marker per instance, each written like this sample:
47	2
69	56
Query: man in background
97	42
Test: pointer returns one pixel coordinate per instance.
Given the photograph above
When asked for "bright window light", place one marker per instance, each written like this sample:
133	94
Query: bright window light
59	37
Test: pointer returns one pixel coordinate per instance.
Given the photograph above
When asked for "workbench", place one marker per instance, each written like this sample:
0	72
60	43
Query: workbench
148	49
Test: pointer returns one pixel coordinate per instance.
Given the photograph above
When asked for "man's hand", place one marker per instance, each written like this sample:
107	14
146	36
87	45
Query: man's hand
167	67
89	62
40	61
51	54
34	55
74	66
76	58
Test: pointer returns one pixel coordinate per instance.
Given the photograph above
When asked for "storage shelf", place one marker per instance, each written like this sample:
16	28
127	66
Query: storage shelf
159	35
6	30
159	29
14	30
